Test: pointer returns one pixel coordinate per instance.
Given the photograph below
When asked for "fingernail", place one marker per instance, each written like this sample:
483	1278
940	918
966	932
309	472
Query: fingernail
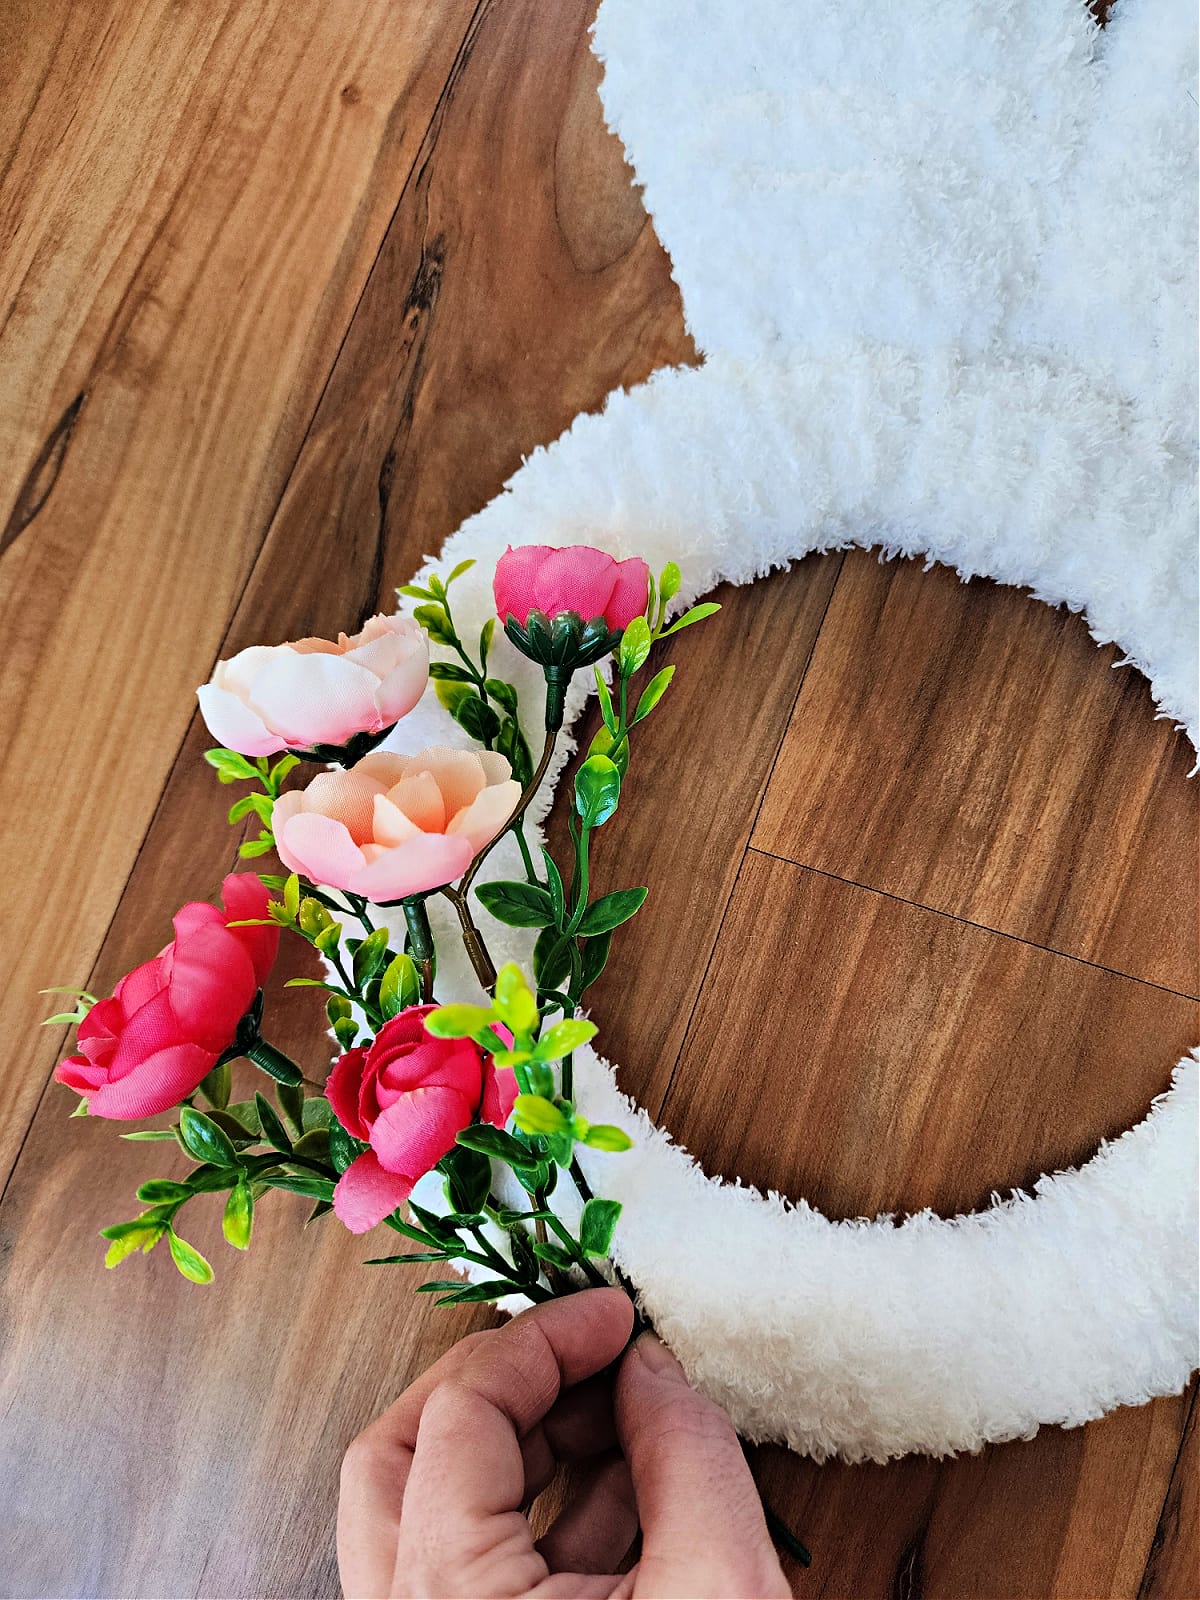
658	1358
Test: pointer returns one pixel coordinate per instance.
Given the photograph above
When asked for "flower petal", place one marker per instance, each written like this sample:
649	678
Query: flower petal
577	578
210	987
389	825
346	796
316	699
458	774
342	1091
487	814
366	1193
630	595
135	989
415	1132
318	847
515	584
419	797
235	725
499	1094
426	862
244	895
162	1080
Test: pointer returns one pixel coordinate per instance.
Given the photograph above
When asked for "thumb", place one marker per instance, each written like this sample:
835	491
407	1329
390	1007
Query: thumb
703	1529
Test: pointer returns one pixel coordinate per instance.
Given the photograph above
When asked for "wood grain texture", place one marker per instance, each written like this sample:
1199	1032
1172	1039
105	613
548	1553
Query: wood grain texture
322	275
933	708
197	195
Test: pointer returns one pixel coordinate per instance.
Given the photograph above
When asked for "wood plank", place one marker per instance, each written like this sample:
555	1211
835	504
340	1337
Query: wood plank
1173	1569
1067	1514
135	1379
967	750
199	195
931	1062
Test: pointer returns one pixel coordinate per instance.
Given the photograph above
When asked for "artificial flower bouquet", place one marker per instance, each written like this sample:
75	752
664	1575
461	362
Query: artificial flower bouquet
474	1102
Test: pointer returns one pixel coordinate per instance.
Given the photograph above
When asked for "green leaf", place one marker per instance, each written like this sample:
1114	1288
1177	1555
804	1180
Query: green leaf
497	1146
696	614
313	917
203	1139
634	647
313	1145
273	1130
668	584
81	993
438	1285
147	1134
561	1039
606	704
286	763
256	847
485	643
162	1191
551	958
514	1002
452	695
463	566
468	1175
595	958
308	1183
597	791
321	1209
603	1136
415	1256
518	904
400	986
597	1226
504	694
246	1113
653	693
216	1085
327	940
537	1180
477	718
238	1220
511	742
370	955
433	619
611	911
457	1021
231	767
188	1259
317	1114
343	1147
139	1236
474	1293
291	897
603	744
415	591
61	1017
547	1250
258	805
448	672
533	1113
291	1103
554	885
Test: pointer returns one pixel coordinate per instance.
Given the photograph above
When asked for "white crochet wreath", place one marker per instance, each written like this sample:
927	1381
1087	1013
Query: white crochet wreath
940	261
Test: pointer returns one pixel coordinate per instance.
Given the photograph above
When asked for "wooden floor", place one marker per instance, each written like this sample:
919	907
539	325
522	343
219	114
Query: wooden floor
287	289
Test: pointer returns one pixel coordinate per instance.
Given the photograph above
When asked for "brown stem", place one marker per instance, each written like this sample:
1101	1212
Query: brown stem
476	949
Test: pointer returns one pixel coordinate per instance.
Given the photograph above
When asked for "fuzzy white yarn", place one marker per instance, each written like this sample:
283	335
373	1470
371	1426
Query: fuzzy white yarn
940	261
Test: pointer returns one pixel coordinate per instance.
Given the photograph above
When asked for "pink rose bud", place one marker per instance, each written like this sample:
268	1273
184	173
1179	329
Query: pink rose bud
315	692
408	1095
577	578
395	825
169	1020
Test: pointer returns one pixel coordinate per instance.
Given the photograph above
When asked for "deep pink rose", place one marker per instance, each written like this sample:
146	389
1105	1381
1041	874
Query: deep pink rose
408	1095
576	578
147	1048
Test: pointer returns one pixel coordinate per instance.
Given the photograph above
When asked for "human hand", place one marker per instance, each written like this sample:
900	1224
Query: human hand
432	1492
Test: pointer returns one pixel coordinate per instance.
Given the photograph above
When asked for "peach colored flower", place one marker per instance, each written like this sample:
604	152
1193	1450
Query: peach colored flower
395	825
313	691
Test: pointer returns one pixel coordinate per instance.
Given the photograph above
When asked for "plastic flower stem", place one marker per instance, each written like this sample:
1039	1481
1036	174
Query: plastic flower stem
476	949
581	860
421	938
266	1056
597	1279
